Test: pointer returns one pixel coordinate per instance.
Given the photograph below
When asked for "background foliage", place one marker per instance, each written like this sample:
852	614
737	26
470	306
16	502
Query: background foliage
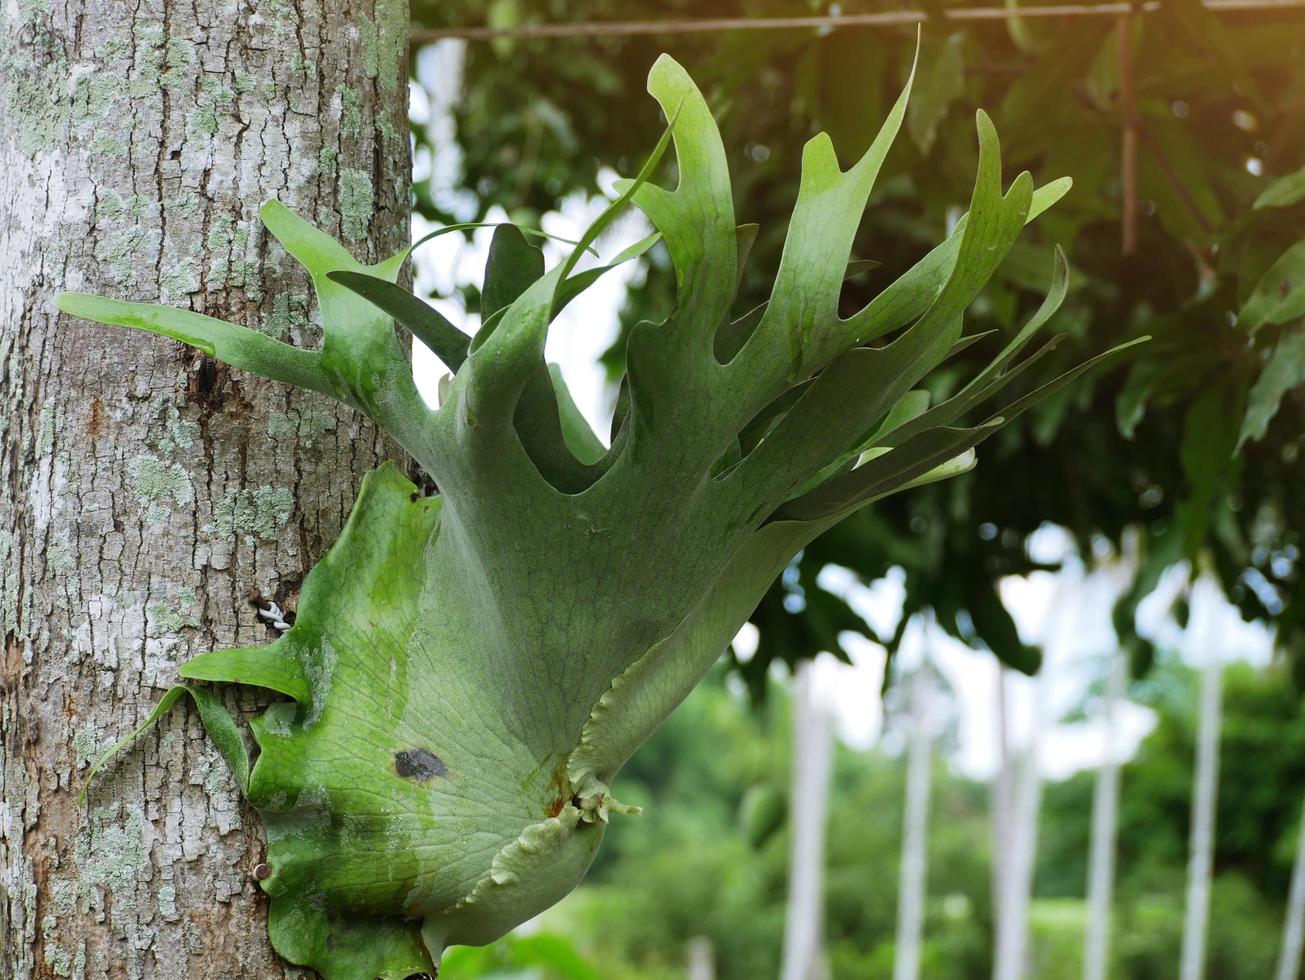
1218	275
691	866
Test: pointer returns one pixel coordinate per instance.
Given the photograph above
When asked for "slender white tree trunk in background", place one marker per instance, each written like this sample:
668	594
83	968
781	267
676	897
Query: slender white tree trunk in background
915	825
1012	952
1023	810
1206	631
1293	928
146	488
1000	806
813	753
702	959
1105	819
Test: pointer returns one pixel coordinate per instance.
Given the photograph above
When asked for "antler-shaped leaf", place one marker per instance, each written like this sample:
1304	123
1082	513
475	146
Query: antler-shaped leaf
469	672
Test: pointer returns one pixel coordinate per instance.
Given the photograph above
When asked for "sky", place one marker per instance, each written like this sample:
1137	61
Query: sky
1067	613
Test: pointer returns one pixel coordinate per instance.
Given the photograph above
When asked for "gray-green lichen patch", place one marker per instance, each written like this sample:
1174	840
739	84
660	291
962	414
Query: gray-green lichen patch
214	101
182	432
89	743
162	60
37	107
382	42
124	237
391	138
327	161
289	318
165	618
59	556
159	485
257	514
9	597
62	903
109	145
234	262
346	105
357	203
180	276
45	429
56	957
112	849
304	425
167	897
202	122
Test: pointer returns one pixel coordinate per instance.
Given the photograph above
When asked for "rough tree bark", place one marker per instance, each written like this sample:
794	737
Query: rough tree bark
145	488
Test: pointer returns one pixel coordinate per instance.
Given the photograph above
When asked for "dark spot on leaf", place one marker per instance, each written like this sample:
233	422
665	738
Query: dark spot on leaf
419	764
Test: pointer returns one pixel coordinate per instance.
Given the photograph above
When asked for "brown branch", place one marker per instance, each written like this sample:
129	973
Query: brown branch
1180	188
629	28
1128	137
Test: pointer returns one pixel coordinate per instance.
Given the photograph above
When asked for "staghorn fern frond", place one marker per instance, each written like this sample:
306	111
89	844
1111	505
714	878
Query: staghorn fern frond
468	672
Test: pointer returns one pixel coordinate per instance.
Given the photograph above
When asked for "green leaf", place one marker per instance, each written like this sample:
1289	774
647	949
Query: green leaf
697	218
511	268
942	82
1284	371
800	330
237	346
360	352
995	627
219	725
910	295
993	377
578	283
580	438
887	472
1210	430
1283	192
225	733
1279	295
266	667
627	190
400	256
423	321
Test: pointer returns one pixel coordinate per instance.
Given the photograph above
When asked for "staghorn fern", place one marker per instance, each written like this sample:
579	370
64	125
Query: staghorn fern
468	672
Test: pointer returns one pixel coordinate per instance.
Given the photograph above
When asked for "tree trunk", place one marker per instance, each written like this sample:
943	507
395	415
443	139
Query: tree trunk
1206	631
1105	820
1001	807
145	487
702	959
1293	929
1011	957
813	753
915	823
